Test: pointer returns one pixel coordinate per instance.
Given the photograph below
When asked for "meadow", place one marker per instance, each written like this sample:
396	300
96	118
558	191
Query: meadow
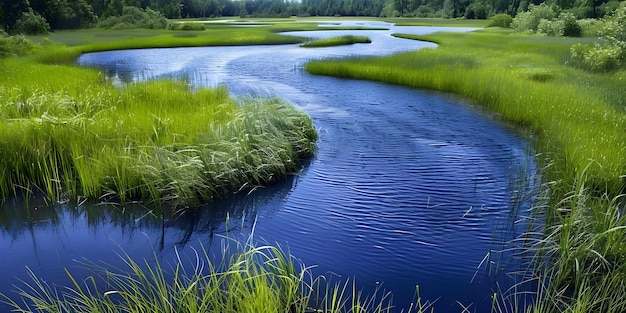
577	120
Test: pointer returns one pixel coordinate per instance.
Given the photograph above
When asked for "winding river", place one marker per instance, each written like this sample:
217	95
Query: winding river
408	187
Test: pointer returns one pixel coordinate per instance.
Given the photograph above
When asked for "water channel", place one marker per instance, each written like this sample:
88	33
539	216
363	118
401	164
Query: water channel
408	187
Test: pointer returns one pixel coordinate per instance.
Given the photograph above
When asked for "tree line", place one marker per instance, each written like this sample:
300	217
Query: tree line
71	14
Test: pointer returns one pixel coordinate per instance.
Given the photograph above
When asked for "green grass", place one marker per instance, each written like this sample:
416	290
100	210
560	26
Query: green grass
67	129
246	278
525	80
336	41
577	120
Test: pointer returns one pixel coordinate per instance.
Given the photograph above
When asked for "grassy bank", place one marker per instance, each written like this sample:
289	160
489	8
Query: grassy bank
578	121
67	129
336	41
578	116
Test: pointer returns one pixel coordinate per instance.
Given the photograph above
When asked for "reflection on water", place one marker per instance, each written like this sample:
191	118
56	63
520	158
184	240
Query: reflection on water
407	187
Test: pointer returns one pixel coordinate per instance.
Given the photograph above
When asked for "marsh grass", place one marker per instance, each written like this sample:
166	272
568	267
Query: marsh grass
336	41
68	130
525	81
578	119
245	277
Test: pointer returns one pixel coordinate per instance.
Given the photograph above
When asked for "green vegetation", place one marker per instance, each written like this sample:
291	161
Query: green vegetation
67	129
248	278
336	41
579	120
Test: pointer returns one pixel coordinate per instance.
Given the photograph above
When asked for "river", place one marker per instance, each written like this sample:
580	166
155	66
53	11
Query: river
408	187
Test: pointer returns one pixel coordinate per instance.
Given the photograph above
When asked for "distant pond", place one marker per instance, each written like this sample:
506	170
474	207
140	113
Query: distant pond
408	187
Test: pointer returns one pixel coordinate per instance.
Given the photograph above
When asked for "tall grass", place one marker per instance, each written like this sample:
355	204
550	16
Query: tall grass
525	81
578	121
245	278
336	41
66	129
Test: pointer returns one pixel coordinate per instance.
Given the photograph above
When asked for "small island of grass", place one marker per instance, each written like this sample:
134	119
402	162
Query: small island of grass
336	41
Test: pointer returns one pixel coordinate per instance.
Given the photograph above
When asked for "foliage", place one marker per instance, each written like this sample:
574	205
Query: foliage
133	17
609	55
529	21
571	28
31	24
501	20
15	46
158	141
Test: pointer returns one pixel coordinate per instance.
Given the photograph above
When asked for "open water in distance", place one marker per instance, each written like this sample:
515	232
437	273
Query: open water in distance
407	187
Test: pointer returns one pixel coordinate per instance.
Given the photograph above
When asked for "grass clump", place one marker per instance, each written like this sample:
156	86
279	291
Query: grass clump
67	130
246	278
336	41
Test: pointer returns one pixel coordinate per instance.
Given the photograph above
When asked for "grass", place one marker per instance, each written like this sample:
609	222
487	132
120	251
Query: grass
578	121
246	278
525	80
68	129
336	41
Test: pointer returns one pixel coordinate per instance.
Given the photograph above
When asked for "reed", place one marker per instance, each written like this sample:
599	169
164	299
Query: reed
67	129
245	278
336	41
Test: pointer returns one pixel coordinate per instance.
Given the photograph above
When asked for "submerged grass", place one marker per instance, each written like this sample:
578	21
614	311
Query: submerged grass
246	278
336	41
579	120
67	130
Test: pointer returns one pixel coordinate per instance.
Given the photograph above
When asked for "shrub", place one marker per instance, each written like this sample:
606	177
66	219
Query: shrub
550	28
571	28
501	20
590	27
31	24
599	58
609	56
133	17
529	21
14	45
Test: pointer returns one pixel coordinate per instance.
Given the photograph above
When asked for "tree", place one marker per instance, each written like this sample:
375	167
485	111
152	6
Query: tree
11	11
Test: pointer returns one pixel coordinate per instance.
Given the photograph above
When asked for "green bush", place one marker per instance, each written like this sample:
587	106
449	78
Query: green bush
590	27
133	17
571	28
529	21
14	45
31	24
610	55
550	28
501	20
598	58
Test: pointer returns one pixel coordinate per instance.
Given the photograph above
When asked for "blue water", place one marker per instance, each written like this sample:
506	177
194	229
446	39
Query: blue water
408	187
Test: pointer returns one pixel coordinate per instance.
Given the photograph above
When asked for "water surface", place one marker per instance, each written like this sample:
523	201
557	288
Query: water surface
407	187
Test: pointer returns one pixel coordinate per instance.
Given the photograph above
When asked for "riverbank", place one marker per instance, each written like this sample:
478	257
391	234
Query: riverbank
68	131
578	121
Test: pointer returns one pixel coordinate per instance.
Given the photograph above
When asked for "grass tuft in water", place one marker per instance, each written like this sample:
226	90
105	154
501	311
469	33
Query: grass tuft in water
245	278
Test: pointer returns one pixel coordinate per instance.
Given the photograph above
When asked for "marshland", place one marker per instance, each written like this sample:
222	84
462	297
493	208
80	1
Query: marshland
229	178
